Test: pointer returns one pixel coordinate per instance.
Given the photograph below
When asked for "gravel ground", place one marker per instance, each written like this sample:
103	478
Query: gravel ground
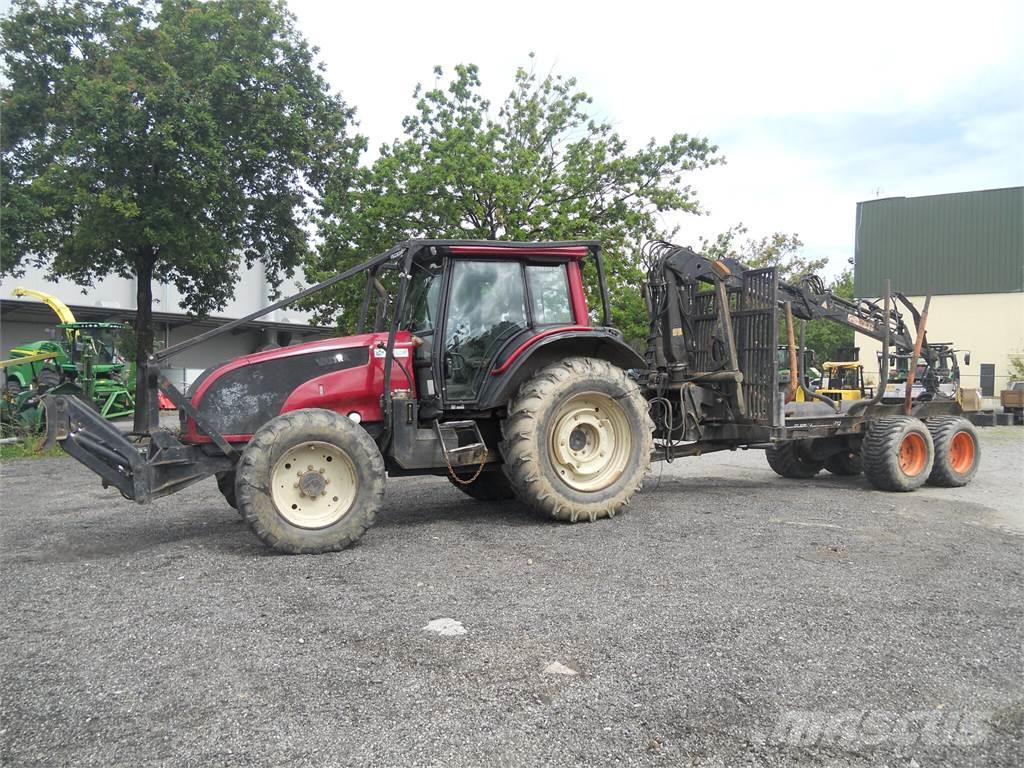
730	618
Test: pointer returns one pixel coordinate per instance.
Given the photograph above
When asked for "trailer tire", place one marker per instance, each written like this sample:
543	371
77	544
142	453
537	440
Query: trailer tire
285	476
491	485
578	439
957	451
786	460
898	453
845	464
226	485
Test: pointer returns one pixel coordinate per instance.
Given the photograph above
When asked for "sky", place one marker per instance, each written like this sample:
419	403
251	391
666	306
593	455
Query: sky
815	106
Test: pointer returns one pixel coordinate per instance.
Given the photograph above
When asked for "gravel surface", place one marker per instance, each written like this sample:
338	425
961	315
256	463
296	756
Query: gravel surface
731	618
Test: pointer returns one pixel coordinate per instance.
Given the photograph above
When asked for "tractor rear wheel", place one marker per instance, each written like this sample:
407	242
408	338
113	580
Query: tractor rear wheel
957	452
788	460
577	440
846	463
491	485
898	453
13	386
310	481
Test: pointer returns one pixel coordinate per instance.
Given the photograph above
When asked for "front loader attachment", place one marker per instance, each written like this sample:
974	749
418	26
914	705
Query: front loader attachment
144	469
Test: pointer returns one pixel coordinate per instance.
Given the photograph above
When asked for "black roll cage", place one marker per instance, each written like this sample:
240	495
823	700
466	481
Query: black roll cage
403	253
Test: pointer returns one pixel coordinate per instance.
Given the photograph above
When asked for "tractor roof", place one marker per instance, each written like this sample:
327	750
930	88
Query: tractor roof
572	249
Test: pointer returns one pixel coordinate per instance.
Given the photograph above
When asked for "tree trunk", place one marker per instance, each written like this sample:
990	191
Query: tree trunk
143	333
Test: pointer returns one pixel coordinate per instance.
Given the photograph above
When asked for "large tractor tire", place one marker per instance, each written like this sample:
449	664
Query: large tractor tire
12	387
787	459
898	453
846	463
577	440
491	485
310	481
957	451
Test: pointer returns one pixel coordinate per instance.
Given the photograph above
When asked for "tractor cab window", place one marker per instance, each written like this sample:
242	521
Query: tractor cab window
549	294
486	307
420	315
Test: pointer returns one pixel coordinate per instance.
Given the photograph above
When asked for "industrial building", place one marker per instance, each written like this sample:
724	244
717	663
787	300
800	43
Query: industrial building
966	250
113	300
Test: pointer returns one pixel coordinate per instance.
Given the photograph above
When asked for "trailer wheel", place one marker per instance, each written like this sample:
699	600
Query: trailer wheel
492	485
226	485
957	451
310	481
898	453
786	459
577	440
846	463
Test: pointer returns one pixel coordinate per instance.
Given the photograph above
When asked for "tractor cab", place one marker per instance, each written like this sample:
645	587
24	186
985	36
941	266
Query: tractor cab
471	311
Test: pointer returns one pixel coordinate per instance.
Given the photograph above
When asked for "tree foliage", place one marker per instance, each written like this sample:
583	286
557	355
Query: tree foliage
539	168
827	339
164	141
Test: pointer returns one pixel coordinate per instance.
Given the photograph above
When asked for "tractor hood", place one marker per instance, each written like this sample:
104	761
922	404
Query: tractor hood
343	374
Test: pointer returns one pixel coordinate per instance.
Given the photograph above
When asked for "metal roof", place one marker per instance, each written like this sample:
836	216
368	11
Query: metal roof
967	242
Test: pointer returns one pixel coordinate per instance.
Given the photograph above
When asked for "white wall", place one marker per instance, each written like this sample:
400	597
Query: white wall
990	325
119	293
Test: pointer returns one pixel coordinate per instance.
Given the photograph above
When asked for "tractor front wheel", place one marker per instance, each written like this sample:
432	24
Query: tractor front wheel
898	453
577	440
310	481
957	452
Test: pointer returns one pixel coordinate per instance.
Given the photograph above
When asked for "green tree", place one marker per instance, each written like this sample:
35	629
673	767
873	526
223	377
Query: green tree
167	141
539	168
778	249
781	250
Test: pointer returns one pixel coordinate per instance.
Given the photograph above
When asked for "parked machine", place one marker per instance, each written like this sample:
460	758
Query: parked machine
486	364
82	359
843	380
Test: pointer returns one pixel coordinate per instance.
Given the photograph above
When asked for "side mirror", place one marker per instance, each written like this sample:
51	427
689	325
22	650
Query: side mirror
967	358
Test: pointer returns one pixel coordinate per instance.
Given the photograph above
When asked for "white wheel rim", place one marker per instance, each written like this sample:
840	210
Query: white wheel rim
313	484
591	442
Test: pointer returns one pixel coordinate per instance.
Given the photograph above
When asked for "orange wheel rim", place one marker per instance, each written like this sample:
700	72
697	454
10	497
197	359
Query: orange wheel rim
961	452
913	454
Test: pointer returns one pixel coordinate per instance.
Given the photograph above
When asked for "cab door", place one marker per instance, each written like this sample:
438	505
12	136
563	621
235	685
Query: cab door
493	304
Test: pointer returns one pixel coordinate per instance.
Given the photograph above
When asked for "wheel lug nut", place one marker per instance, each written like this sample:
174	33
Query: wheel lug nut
321	470
310	467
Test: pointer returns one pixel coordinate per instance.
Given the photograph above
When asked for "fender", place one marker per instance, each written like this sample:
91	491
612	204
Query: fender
507	376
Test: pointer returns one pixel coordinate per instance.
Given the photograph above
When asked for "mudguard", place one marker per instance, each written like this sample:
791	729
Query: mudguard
511	371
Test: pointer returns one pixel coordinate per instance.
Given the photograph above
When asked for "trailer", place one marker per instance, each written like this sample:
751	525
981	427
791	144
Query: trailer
483	362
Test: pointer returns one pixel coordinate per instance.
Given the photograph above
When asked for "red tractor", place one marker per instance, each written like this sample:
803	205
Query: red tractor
485	364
